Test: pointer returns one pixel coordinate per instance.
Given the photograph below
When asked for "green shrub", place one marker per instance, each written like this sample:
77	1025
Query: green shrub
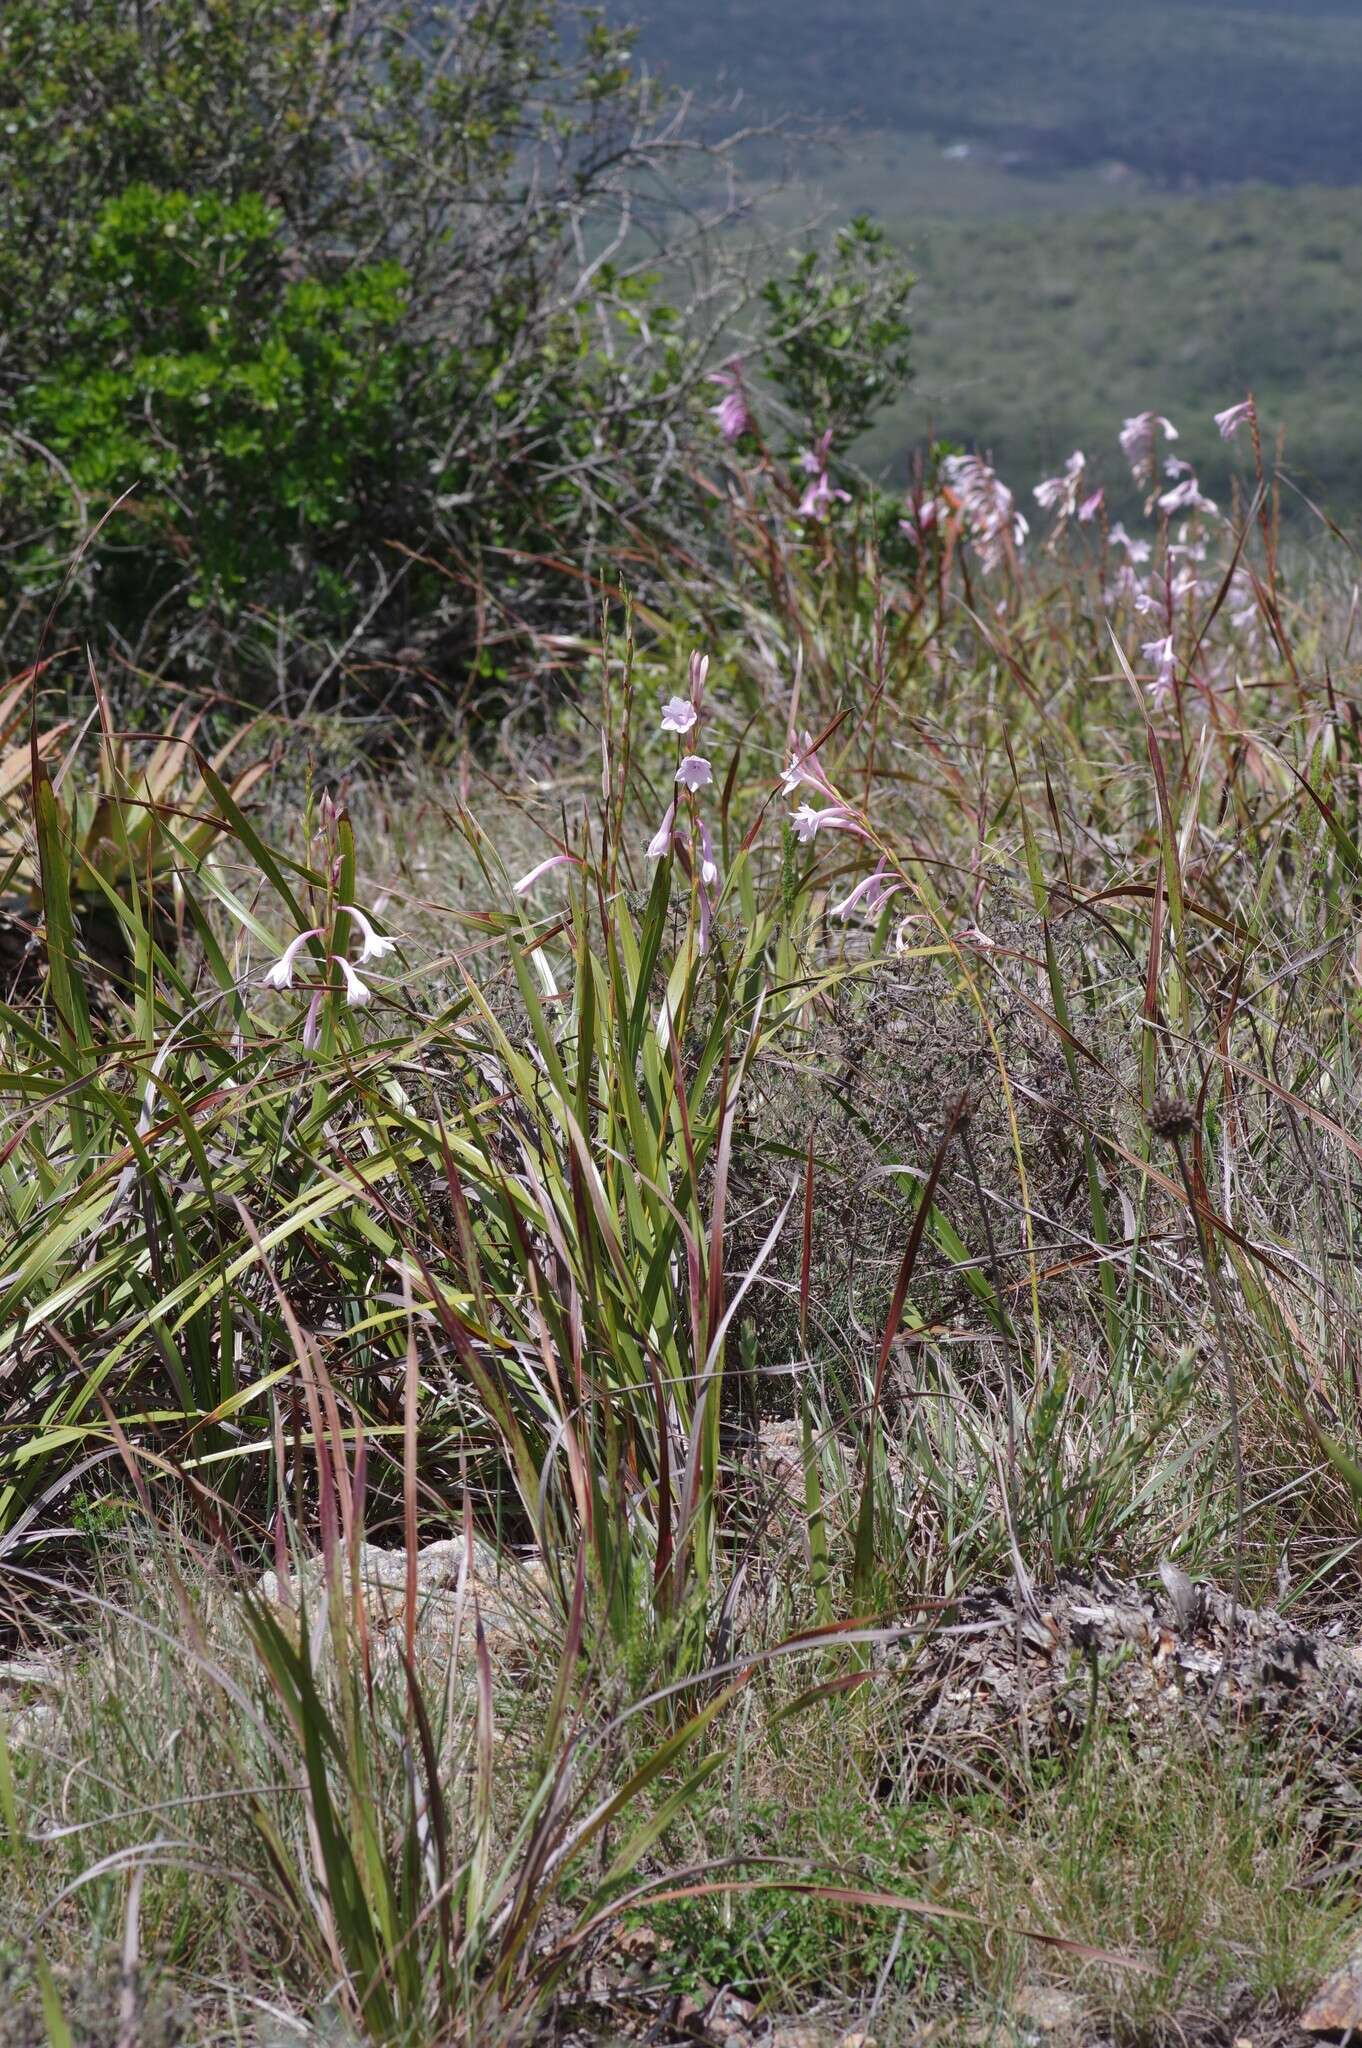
329	293
266	408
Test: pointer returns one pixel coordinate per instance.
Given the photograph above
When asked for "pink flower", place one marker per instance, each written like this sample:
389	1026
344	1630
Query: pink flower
357	992
694	772
1161	654
926	517
808	822
706	917
527	882
1125	587
816	459
873	890
995	525
699	669
804	766
1186	497
311	1023
678	715
1138	438
731	413
376	946
818	496
281	974
1091	506
709	867
1136	550
660	843
1059	494
1232	418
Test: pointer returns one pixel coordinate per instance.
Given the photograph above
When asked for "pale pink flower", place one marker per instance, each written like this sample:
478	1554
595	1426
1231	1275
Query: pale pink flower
357	992
1091	506
1233	417
1187	496
874	891
694	772
281	974
1138	444
312	1021
699	670
709	867
926	517
527	881
808	822
376	946
731	413
1244	610
678	715
1163	659
1059	494
661	840
1137	550
816	459
804	766
995	525
1126	587
818	497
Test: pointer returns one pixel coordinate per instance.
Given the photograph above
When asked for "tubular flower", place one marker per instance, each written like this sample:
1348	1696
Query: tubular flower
281	974
924	520
1161	655
804	766
312	1021
709	867
1233	417
678	715
808	822
357	992
694	772
731	413
1059	494
1136	550
818	497
527	881
1138	444
874	891
995	525
376	945
660	843
1186	496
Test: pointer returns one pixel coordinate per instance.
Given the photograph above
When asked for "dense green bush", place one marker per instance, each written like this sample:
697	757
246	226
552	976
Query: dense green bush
330	288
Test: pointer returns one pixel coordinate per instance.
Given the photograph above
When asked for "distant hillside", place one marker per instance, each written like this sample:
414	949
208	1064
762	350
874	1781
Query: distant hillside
1181	90
1037	335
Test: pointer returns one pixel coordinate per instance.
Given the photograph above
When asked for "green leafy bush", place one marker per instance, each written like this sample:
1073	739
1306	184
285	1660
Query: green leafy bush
838	330
330	289
259	414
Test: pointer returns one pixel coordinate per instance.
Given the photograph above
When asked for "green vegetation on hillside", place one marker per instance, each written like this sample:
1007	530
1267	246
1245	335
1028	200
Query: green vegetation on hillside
979	134
1205	91
1038	335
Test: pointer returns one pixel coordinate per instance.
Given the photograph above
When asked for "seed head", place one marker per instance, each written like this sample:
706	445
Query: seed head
1172	1117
